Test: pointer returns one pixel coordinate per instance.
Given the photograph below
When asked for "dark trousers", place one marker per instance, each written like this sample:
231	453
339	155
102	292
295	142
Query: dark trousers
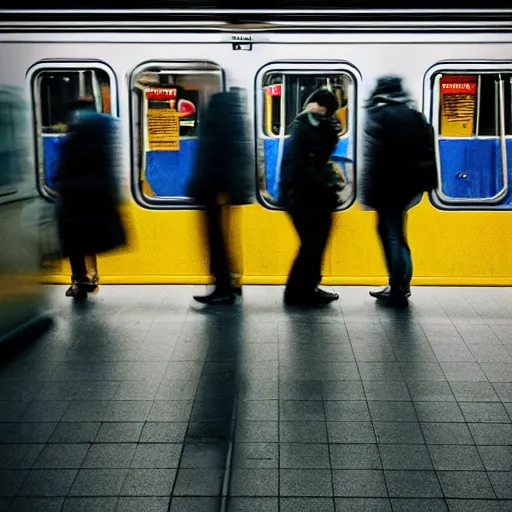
219	261
391	226
78	267
306	272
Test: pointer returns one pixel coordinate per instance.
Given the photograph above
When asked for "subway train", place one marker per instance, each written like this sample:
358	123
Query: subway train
21	229
156	70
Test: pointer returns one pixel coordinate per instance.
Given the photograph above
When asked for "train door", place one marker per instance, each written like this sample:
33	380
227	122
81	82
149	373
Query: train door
281	90
167	102
54	85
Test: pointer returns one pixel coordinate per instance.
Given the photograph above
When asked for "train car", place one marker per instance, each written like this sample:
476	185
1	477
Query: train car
156	70
21	298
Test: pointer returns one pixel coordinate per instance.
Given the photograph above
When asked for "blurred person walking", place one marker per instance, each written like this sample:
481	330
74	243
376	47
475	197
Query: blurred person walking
222	178
88	219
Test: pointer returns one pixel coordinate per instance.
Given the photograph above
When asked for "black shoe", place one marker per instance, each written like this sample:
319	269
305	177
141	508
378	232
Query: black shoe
237	290
76	291
216	298
391	298
326	297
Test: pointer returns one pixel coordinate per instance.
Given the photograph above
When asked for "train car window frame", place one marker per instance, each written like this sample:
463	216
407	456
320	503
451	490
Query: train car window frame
305	68
139	139
432	110
61	66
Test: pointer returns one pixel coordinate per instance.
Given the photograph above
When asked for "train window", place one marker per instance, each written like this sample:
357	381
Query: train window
473	114
283	91
54	87
168	100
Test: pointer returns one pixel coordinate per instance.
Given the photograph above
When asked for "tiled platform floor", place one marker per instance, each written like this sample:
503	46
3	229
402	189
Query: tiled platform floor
140	401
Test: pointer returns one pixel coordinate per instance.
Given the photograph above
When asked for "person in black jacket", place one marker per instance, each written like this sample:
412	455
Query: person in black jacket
222	176
400	165
87	215
309	193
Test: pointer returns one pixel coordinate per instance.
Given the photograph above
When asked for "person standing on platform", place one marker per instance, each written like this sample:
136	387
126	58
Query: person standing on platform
309	193
400	165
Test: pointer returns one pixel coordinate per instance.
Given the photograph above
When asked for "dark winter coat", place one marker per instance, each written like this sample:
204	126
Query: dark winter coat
309	182
87	207
224	159
399	154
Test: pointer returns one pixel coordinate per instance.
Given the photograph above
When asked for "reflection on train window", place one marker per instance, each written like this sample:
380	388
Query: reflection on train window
283	96
54	89
168	101
474	118
8	149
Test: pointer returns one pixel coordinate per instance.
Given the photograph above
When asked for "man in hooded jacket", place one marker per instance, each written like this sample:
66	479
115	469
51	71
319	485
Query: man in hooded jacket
309	193
400	165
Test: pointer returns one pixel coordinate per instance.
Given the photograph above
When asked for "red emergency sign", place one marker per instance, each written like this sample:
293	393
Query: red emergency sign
454	84
274	90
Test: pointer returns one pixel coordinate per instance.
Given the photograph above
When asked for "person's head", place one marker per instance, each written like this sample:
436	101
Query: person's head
389	85
323	102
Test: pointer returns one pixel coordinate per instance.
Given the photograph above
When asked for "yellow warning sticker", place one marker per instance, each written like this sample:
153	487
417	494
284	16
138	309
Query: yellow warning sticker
163	129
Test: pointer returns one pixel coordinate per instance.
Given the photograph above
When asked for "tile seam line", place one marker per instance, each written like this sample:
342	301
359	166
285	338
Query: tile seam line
228	464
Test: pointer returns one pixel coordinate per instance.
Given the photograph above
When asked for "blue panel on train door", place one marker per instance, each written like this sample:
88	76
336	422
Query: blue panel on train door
168	172
470	168
271	149
51	156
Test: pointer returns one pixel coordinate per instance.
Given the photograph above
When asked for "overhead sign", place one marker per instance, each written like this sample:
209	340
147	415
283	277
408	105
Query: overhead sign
162	94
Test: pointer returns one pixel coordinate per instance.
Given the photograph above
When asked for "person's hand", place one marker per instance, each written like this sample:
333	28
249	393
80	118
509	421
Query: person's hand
315	108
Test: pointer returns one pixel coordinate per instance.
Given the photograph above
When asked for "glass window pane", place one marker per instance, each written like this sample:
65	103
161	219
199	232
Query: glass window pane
169	108
295	89
55	89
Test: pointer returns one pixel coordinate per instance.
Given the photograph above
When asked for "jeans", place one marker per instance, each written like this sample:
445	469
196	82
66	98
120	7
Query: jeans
391	227
306	272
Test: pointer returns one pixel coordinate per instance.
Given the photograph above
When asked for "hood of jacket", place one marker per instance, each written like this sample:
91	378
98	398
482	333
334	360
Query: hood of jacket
383	100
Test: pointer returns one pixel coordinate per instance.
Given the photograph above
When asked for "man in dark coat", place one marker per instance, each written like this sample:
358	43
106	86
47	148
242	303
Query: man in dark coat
222	176
309	193
87	207
400	165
